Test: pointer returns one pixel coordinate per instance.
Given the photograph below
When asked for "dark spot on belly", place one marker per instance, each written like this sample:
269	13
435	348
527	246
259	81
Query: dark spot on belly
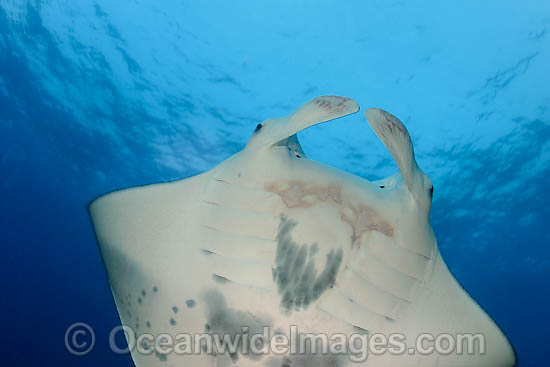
223	320
161	357
295	272
312	358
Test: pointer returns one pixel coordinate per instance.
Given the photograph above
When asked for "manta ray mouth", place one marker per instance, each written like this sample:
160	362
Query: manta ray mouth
293	146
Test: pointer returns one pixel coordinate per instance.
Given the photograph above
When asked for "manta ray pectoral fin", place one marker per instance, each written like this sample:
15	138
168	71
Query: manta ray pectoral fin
397	140
316	111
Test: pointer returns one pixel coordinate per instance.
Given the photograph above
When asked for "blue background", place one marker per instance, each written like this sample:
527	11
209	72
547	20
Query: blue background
101	95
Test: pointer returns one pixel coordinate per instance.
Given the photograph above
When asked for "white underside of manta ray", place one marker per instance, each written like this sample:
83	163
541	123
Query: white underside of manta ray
269	238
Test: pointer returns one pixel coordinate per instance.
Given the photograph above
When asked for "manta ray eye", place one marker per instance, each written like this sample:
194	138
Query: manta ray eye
432	192
381	186
258	127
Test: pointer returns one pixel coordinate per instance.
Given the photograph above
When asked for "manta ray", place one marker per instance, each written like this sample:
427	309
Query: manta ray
271	240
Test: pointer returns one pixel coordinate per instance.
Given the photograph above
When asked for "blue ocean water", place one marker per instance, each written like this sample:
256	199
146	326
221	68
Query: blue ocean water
101	95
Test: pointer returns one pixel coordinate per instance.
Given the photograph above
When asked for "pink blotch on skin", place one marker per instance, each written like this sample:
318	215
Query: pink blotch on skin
362	219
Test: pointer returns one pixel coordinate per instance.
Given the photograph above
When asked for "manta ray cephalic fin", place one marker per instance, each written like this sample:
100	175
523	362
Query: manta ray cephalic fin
316	111
397	140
